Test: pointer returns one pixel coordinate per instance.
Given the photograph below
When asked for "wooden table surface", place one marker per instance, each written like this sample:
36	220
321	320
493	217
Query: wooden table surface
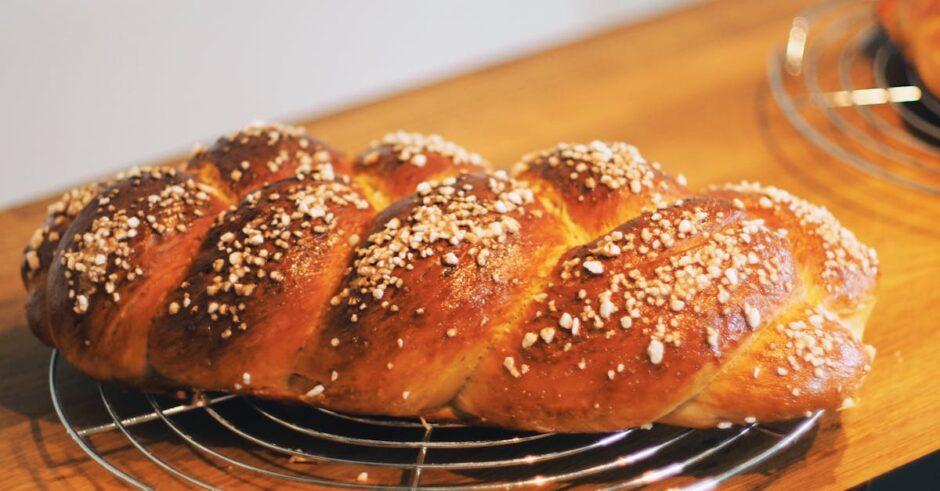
690	90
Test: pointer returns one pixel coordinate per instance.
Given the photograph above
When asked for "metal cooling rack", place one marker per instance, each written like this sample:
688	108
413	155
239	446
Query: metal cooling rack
848	90
279	443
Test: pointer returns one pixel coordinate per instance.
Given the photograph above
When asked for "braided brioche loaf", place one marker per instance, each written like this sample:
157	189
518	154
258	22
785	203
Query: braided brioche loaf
591	291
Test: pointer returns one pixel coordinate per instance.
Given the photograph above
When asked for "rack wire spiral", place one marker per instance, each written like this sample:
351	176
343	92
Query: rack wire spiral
846	88
420	455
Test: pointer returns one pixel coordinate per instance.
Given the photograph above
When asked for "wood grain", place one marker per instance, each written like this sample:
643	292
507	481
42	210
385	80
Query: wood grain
689	90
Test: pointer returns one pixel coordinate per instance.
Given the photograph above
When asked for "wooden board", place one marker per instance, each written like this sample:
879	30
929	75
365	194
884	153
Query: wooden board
689	89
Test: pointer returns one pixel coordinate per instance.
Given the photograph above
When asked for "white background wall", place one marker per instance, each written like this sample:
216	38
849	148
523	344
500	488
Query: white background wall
89	87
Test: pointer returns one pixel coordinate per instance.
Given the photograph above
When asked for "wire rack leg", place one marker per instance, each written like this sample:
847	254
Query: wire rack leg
422	455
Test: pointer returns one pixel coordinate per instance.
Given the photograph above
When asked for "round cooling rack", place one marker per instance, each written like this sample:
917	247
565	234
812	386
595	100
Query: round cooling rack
848	90
302	445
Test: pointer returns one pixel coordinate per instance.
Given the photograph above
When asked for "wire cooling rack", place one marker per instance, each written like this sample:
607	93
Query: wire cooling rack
845	87
321	448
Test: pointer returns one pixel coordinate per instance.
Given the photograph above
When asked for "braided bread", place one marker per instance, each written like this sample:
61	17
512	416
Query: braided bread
588	291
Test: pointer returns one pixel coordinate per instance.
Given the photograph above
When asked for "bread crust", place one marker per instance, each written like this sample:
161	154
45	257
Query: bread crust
116	262
411	335
624	351
258	287
40	251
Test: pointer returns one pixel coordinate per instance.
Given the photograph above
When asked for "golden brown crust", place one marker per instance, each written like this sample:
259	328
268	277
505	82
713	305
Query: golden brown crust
636	322
39	253
393	166
837	269
438	274
117	261
810	356
261	154
590	293
600	185
259	285
804	361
